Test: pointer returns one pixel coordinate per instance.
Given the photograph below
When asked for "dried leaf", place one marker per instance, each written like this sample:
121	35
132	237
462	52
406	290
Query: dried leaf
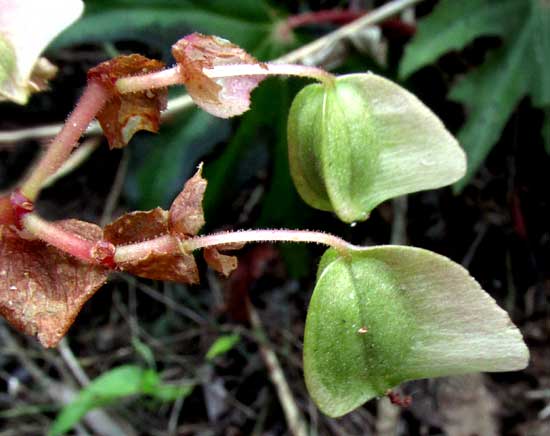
6	210
223	97
137	227
157	265
186	218
165	266
220	262
26	28
186	214
125	114
43	289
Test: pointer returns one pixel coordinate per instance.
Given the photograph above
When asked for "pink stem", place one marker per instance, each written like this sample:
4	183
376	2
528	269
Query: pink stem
269	235
56	236
139	250
104	253
158	79
99	252
172	76
92	100
170	244
269	69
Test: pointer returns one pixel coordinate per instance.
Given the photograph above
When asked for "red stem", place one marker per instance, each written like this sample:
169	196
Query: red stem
106	254
58	237
317	17
94	97
96	252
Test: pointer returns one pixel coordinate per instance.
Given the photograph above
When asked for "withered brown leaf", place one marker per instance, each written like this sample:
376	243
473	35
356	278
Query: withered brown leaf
186	216
222	263
223	97
6	210
125	114
43	289
157	265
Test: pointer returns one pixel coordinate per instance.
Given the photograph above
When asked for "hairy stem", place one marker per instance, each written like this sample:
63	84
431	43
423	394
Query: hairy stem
140	250
171	244
172	76
92	100
104	253
99	252
269	235
273	69
58	237
157	79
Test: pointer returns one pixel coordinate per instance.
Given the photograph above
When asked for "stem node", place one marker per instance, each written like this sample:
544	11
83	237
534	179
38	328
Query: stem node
103	252
21	206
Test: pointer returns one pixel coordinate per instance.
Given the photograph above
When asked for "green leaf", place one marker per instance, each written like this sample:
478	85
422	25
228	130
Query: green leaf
222	345
539	51
492	92
365	140
170	19
169	393
117	383
453	24
387	314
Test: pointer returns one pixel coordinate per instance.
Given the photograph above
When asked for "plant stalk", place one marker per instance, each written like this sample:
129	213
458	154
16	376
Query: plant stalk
172	76
270	69
132	252
318	17
91	102
58	237
269	235
171	244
